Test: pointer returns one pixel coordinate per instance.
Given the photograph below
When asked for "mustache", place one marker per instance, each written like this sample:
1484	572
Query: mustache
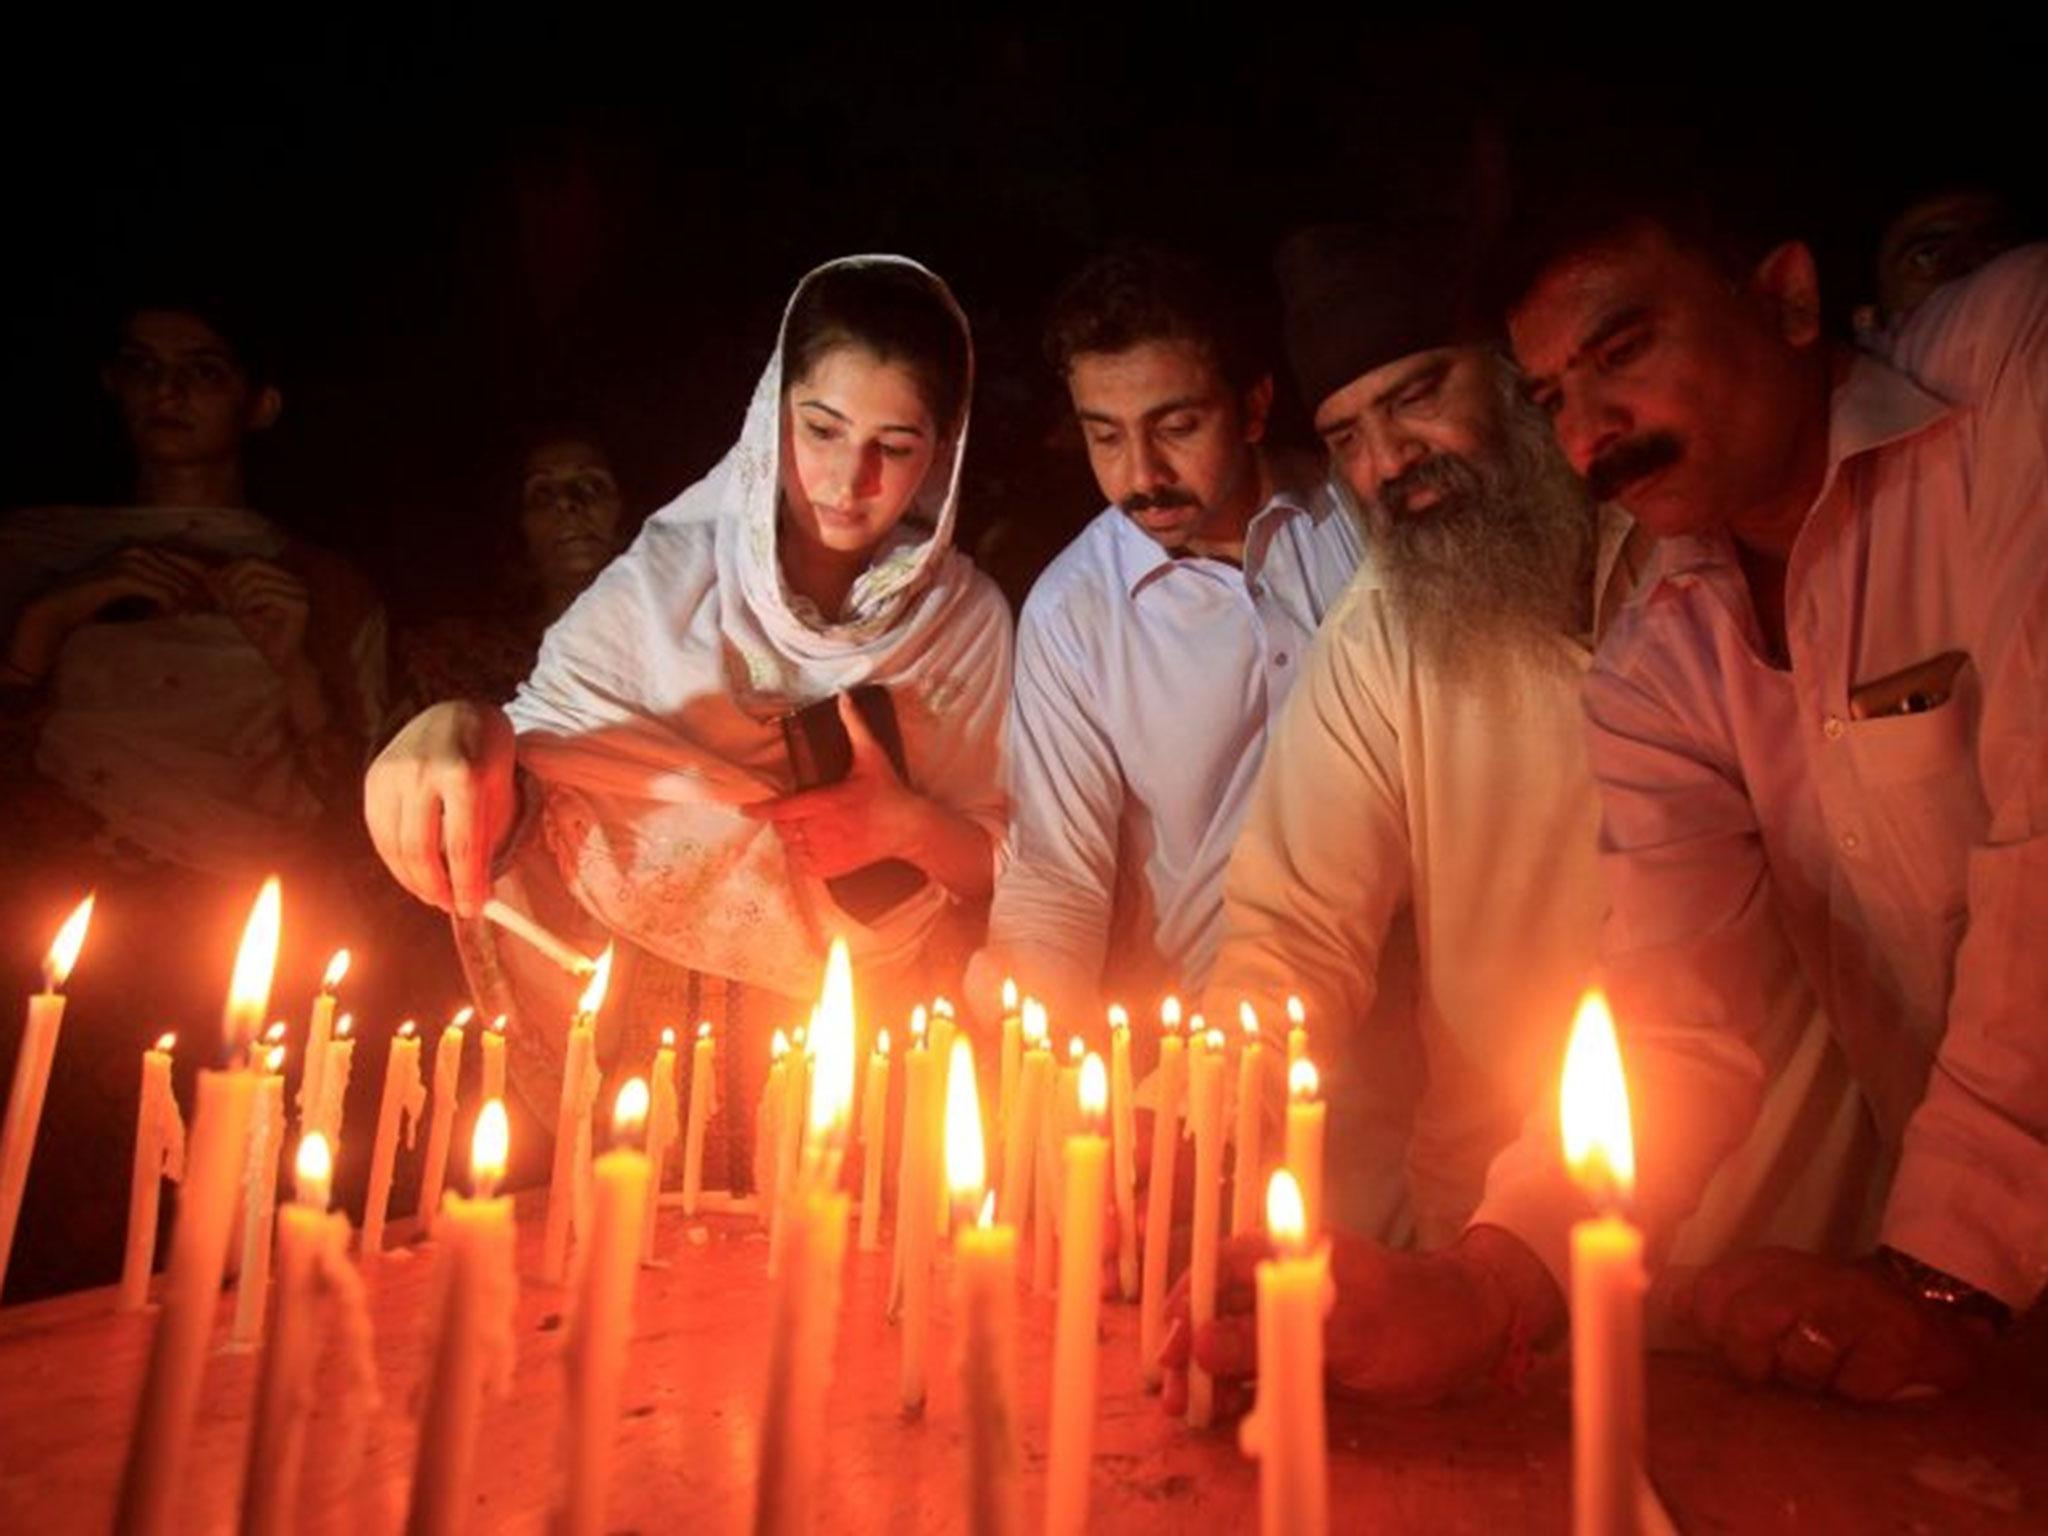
1631	460
1449	475
1163	499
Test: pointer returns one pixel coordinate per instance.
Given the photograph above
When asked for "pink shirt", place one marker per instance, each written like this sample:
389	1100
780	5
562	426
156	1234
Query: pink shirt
1750	824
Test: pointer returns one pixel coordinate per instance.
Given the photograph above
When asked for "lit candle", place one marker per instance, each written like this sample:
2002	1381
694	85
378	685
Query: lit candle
985	1278
319	1031
159	1155
874	1135
920	1028
491	1085
1607	1282
768	1128
329	1108
153	1486
602	1317
943	1026
806	1317
1205	1113
1306	1117
1011	1065
703	1105
1169	1085
469	1326
312	1272
789	1141
1297	1031
441	1123
32	1074
1027	1111
572	1129
259	1196
663	1126
1075	1349
405	1096
1123	1142
1053	1118
1285	1429
1245	1183
914	1179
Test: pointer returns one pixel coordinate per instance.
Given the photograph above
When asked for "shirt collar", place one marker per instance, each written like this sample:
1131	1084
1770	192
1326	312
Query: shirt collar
1137	558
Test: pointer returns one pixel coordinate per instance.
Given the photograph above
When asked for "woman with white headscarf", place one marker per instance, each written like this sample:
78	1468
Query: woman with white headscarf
638	789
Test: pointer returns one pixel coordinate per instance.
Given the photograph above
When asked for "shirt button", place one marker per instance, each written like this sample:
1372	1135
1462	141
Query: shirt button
1850	842
1280	660
1832	727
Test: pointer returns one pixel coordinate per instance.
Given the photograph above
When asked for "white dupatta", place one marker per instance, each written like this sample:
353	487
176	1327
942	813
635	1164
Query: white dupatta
652	711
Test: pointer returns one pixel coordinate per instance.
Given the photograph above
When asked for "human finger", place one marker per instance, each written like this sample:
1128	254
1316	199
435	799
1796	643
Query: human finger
803	805
1808	1356
462	847
1751	1331
868	753
420	866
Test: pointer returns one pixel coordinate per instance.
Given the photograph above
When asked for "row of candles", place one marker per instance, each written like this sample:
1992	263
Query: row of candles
1067	1140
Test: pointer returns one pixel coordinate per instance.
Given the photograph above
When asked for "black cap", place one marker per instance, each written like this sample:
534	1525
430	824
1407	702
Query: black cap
1356	299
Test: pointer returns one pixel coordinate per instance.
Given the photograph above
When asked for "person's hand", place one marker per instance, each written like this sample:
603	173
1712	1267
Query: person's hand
1404	1327
870	814
268	604
1821	1325
439	799
163	580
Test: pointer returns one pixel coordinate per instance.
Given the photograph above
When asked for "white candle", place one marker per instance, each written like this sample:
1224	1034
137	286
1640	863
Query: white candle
985	1277
703	1105
153	1485
602	1318
768	1128
319	1031
1285	1429
663	1126
1607	1283
491	1082
1205	1113
914	1237
1123	1142
1169	1083
572	1129
1297	1031
920	1028
441	1123
259	1203
398	1112
159	1155
1047	1182
32	1075
1076	1351
874	1134
330	1112
796	1095
943	1026
1027	1113
1307	1116
1011	1064
469	1317
1245	1184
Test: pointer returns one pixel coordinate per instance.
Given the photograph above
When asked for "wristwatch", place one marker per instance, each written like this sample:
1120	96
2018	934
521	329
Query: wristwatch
1941	1288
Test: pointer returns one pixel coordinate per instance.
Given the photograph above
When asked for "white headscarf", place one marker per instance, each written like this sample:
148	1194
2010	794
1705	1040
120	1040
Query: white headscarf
651	713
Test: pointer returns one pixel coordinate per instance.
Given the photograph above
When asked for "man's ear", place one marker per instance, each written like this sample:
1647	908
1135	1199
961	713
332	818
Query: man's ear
265	408
1787	281
1258	405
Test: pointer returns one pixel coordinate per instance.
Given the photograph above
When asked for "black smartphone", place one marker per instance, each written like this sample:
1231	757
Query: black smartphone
820	752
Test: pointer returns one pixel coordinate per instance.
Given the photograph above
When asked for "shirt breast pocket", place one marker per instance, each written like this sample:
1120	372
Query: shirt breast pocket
1924	802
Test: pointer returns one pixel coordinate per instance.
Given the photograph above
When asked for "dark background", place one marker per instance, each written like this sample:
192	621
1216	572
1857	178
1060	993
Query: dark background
450	239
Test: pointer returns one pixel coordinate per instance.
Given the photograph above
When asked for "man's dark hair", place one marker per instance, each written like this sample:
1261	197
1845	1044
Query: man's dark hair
1138	293
234	319
893	313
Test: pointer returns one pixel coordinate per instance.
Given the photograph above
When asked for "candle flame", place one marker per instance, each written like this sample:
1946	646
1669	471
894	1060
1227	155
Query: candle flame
1215	1039
966	1157
1286	1220
703	1029
1304	1082
166	1041
881	1042
629	1111
1076	1049
592	1000
273	1060
498	1025
778	1046
337	967
668	1037
407	1030
1118	1019
1009	994
919	1023
942	1007
462	1016
1296	1014
986	1217
1094	1091
1036	1030
344	1026
255	964
313	1170
832	1081
65	947
1593	1100
1169	1015
1248	1020
276	1033
488	1148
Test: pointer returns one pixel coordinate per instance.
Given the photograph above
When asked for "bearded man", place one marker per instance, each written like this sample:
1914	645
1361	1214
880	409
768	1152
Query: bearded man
1426	821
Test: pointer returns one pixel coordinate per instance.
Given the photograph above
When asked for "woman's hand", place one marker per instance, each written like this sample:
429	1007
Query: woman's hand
870	814
440	798
166	581
269	605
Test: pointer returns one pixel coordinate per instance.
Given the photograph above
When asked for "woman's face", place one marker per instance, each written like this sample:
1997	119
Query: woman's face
569	511
858	441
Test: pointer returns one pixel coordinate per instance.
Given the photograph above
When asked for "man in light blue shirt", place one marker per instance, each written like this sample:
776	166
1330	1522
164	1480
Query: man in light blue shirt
1158	647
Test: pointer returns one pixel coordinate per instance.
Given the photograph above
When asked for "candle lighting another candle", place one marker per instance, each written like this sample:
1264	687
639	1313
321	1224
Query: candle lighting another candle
159	1155
31	1079
985	1277
1607	1282
153	1481
1286	1429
